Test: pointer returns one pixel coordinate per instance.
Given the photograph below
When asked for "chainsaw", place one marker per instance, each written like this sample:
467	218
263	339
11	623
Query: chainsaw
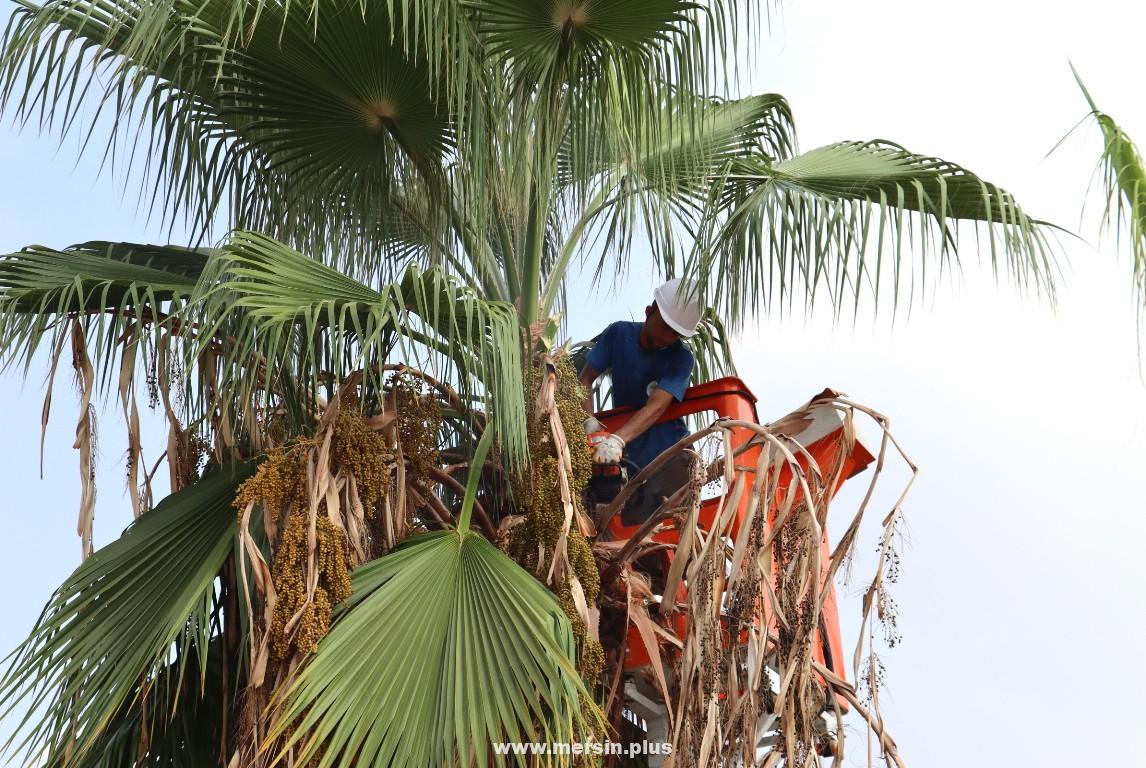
606	480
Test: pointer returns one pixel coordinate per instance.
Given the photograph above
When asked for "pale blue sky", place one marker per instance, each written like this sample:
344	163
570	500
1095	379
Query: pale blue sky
1019	591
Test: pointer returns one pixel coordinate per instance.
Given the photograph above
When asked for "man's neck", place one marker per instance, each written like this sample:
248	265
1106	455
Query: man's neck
643	339
646	344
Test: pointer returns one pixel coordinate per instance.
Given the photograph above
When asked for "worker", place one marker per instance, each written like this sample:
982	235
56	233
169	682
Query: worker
650	368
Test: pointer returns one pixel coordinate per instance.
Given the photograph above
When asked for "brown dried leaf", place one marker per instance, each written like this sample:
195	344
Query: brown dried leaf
85	431
646	628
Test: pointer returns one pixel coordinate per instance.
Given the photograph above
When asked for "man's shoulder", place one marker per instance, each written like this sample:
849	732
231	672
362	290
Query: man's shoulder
625	325
681	351
616	340
622	329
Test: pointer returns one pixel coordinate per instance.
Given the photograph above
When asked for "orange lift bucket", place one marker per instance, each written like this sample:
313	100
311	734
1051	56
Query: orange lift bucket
819	429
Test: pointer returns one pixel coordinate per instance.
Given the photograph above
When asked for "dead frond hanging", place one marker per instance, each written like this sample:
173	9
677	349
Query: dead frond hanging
750	674
85	436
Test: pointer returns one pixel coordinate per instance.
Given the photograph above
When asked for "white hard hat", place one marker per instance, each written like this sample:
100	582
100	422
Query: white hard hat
680	311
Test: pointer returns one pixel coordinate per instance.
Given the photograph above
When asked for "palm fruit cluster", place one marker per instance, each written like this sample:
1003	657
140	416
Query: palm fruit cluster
191	449
363	452
538	496
280	488
288	573
280	482
419	424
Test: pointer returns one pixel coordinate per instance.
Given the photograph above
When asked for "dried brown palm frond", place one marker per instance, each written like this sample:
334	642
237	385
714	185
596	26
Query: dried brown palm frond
740	678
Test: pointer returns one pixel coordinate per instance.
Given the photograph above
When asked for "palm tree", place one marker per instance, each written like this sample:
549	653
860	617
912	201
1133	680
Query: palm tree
407	187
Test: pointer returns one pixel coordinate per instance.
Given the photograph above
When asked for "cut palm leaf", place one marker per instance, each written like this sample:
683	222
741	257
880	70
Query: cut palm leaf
445	648
119	619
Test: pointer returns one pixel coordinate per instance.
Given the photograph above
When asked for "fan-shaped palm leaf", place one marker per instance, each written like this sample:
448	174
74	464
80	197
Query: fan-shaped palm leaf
303	129
535	33
445	648
446	645
819	220
698	139
301	318
301	118
119	618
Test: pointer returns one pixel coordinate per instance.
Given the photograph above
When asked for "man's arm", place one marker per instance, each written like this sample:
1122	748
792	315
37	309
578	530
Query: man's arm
671	385
640	421
589	374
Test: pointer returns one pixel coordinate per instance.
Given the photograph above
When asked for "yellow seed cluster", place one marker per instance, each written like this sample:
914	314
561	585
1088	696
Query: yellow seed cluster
565	597
288	574
546	515
571	409
362	451
419	423
583	563
280	487
592	661
279	483
538	493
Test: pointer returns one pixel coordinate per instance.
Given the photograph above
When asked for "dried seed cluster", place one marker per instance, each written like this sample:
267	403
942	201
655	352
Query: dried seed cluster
191	449
419	423
289	577
279	483
364	453
539	494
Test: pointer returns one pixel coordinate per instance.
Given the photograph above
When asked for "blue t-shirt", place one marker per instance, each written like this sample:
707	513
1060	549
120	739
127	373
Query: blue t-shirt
635	371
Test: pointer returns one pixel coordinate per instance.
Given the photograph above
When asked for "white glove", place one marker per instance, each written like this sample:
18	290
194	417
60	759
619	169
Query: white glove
592	425
609	450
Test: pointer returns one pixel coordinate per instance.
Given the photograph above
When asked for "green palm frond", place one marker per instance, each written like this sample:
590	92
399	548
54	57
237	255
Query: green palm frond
66	56
535	34
121	618
445	647
301	132
712	348
429	29
115	287
711	134
333	112
844	218
1124	185
299	119
281	314
698	138
173	720
665	187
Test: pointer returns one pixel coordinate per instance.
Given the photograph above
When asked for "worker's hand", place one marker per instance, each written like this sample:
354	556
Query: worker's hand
592	425
609	450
